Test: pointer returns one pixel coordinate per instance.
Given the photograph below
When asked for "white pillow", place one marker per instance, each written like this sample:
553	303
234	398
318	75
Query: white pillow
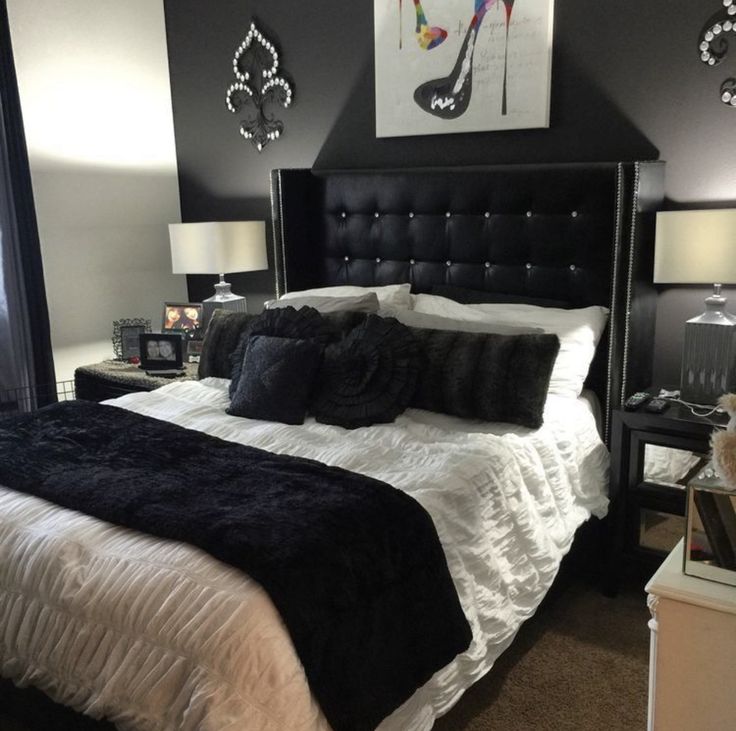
578	330
392	295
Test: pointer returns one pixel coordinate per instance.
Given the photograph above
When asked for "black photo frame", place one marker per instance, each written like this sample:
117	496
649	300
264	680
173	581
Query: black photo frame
161	351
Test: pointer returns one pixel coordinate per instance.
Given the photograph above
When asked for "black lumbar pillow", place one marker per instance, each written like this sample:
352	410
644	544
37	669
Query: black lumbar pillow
288	322
276	379
369	377
223	334
486	376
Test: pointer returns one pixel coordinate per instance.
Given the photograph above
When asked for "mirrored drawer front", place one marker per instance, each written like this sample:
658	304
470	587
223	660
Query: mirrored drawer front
669	466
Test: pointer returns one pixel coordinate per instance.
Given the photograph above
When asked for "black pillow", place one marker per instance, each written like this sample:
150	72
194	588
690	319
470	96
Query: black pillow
486	376
220	340
369	377
478	297
288	322
276	379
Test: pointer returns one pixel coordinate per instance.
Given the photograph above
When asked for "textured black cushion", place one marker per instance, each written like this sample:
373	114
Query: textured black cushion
369	377
276	379
478	297
486	376
288	322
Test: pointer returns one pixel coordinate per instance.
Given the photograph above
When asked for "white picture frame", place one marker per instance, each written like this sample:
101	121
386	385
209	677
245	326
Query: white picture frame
497	72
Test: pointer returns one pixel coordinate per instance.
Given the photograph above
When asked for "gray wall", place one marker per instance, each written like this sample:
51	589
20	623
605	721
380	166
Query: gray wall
94	87
626	84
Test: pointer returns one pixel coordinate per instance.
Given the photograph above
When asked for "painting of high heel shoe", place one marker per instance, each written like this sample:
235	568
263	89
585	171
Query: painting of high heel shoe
427	36
449	97
489	69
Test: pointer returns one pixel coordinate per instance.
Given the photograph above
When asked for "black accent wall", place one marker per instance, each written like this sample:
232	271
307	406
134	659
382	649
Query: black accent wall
627	84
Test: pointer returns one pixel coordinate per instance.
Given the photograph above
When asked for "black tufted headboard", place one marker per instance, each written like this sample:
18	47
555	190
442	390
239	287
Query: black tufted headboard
582	233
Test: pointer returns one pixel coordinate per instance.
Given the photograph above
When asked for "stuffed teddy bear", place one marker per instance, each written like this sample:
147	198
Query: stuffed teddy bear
723	443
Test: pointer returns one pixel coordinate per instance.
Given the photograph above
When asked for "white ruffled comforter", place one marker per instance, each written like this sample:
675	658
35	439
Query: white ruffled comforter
158	635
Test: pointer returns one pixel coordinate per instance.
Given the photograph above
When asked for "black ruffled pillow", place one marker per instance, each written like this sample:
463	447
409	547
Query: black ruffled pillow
276	379
369	377
486	376
304	323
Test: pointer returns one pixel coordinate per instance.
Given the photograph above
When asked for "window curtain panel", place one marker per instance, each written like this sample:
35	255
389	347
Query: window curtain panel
26	364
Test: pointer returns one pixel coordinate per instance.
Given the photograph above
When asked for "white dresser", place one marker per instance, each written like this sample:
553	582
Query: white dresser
692	660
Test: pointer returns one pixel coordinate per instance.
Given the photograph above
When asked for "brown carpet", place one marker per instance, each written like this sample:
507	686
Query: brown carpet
580	664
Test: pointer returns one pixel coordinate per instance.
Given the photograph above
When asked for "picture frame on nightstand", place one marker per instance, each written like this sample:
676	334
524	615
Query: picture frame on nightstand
161	351
125	340
181	316
129	341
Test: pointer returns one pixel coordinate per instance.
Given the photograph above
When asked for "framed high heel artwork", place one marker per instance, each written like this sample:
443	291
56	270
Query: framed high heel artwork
462	65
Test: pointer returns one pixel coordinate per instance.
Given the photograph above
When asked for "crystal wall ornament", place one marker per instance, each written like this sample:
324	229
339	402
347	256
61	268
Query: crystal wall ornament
713	45
258	84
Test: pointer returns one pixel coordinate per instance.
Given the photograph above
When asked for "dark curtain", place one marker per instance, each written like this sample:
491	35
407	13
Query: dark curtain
26	362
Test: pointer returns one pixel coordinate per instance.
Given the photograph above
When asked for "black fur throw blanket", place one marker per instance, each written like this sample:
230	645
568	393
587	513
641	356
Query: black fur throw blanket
353	565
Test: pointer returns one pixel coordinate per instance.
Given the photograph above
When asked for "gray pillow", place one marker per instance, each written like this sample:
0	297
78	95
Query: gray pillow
478	297
437	322
362	303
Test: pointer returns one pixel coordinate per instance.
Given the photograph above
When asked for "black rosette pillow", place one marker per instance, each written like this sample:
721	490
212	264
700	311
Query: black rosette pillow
302	324
369	377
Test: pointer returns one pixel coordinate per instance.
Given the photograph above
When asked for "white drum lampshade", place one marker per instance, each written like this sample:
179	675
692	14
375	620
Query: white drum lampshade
219	247
699	247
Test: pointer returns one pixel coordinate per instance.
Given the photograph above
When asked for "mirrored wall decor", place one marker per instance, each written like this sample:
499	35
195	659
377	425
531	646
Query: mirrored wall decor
713	45
259	83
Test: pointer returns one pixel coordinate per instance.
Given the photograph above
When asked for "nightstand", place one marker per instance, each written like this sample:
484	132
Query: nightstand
692	650
113	378
647	484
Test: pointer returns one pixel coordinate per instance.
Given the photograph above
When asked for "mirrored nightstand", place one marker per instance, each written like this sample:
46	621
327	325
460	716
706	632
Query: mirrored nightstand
653	456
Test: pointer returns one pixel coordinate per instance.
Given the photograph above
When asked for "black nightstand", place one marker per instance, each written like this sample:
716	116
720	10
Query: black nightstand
113	378
646	517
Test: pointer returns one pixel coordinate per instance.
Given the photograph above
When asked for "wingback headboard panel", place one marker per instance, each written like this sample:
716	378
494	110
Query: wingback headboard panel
581	233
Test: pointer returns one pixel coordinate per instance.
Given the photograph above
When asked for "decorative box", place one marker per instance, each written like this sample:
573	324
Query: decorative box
710	533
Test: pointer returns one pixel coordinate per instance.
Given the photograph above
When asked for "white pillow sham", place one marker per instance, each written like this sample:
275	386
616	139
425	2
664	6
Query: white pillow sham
579	331
391	295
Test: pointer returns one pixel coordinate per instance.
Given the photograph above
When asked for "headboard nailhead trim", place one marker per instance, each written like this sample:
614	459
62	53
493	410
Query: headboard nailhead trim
629	285
614	286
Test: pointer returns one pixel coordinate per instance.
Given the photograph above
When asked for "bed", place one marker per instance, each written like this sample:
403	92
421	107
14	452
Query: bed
156	634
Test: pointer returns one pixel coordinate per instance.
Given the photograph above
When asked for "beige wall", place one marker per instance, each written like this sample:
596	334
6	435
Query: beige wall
94	85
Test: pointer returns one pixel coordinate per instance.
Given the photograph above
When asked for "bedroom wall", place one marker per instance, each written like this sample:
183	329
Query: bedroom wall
94	86
626	84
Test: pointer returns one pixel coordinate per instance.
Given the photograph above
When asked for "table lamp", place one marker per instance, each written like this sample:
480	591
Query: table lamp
699	247
216	247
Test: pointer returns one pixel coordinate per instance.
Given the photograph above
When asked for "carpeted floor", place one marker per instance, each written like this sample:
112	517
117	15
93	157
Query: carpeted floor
580	664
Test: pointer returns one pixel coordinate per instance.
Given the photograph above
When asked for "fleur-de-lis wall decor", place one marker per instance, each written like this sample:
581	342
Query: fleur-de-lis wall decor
256	68
713	45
